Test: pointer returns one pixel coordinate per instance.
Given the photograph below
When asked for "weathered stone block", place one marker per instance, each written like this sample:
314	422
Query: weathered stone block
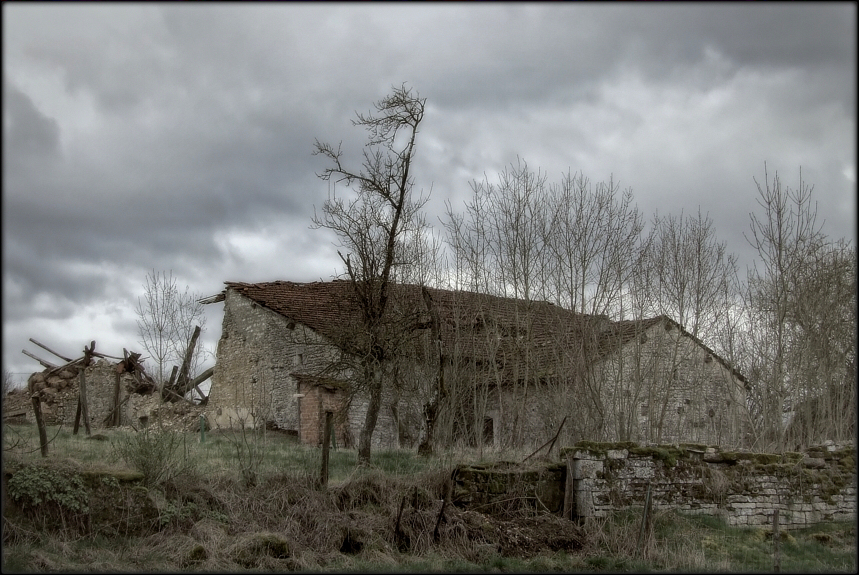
814	462
586	468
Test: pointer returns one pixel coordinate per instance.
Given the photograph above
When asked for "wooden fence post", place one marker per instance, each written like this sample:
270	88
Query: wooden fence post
40	423
84	408
326	441
568	488
77	417
777	558
116	417
645	523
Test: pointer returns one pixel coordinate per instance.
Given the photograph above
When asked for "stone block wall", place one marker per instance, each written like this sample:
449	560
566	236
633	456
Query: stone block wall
59	394
508	487
258	354
665	388
744	488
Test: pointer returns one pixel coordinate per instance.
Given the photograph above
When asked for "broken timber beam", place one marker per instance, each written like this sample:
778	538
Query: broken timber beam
47	364
69	364
104	355
200	379
182	382
46	348
177	396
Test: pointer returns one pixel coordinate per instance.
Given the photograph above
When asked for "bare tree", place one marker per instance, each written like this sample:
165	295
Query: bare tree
822	315
370	226
689	271
8	384
166	320
566	242
787	239
686	274
595	239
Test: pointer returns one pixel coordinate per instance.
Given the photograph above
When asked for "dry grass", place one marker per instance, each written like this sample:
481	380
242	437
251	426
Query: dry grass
379	517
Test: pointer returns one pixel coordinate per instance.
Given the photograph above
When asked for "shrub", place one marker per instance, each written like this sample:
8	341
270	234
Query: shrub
160	455
46	494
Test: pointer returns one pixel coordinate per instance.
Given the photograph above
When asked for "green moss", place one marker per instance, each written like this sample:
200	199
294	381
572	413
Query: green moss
665	453
766	458
775	468
792	457
598	448
759	458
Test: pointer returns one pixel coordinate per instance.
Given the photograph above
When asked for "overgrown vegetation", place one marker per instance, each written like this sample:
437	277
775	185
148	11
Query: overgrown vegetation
158	454
88	511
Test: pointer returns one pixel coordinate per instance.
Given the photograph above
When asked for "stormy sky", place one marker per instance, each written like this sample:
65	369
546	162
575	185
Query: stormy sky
141	137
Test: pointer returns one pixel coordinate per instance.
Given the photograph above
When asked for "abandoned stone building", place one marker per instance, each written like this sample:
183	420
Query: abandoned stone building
59	391
516	372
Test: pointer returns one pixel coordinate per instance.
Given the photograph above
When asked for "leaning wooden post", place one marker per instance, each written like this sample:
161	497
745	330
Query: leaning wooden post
777	558
84	410
40	423
568	488
645	522
116	417
326	441
77	417
182	381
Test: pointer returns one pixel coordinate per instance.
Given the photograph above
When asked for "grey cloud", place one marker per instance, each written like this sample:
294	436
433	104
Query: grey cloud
205	116
28	134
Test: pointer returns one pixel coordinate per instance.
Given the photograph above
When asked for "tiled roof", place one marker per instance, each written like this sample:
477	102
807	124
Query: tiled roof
486	328
620	333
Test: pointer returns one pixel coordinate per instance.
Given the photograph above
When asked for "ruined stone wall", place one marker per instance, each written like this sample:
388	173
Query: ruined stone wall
257	353
59	394
386	433
743	488
508	487
665	388
252	384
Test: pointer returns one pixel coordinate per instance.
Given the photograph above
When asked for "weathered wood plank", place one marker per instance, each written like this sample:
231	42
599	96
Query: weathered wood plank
40	423
182	382
84	408
44	363
46	348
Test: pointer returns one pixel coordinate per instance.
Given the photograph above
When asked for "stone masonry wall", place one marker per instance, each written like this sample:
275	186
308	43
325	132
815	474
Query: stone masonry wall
258	352
59	399
743	488
59	394
665	388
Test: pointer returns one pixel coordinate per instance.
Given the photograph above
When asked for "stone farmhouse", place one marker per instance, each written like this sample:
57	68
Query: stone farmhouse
516	372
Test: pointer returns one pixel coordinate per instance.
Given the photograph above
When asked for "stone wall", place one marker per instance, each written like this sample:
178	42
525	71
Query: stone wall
508	487
59	399
59	394
664	388
743	488
254	382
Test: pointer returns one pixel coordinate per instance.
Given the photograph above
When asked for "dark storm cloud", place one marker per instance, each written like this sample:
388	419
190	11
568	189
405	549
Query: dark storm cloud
28	135
179	136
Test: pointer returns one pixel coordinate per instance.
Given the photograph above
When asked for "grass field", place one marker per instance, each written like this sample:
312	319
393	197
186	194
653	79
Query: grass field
253	501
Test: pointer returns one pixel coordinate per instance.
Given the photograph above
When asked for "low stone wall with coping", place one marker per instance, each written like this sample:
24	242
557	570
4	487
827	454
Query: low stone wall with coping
596	479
